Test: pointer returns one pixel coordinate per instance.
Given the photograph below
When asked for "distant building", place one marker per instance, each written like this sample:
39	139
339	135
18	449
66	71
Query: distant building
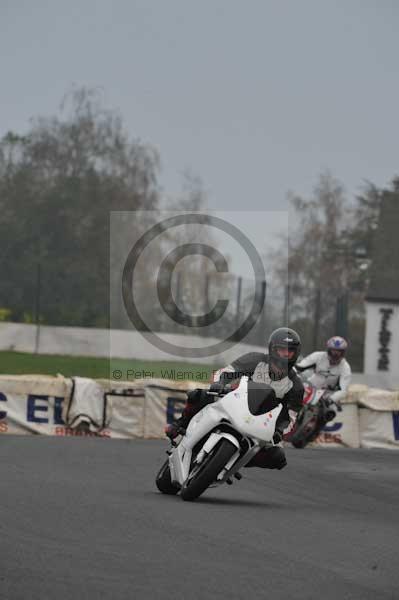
382	302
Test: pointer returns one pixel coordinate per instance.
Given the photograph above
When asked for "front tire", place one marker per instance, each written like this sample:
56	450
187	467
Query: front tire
208	471
164	482
307	430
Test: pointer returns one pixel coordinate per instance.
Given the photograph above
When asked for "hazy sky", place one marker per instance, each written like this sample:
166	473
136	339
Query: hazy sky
256	97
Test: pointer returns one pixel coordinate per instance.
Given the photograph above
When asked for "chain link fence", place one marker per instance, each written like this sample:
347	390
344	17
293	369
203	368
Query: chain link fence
41	300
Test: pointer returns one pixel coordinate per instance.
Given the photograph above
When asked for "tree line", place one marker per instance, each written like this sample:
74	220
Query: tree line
60	180
59	183
325	260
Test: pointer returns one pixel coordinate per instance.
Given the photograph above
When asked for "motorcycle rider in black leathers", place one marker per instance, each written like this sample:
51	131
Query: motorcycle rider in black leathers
274	370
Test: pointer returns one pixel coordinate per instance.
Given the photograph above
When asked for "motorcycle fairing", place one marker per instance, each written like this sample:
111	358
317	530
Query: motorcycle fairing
235	406
234	409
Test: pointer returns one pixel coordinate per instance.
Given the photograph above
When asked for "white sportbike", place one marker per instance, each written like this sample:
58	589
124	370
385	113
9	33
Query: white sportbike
221	439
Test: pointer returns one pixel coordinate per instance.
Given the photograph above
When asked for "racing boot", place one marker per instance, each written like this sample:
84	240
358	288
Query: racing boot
173	430
196	400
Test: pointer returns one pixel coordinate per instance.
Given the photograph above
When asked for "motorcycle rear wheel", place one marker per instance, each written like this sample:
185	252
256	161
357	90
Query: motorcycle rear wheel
208	470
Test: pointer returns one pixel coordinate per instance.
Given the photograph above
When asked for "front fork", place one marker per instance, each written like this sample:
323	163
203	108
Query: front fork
233	466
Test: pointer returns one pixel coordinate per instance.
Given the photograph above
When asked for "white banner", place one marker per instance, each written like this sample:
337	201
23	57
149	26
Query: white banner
343	430
38	405
57	406
52	406
32	404
164	404
379	429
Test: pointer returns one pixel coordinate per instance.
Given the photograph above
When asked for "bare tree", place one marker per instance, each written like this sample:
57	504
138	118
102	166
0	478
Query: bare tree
58	184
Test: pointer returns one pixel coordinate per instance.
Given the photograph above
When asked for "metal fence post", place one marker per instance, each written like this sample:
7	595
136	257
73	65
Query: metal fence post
341	322
238	302
37	307
316	325
286	305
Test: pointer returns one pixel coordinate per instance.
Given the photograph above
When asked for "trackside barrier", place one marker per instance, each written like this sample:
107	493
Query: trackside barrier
343	430
34	404
379	419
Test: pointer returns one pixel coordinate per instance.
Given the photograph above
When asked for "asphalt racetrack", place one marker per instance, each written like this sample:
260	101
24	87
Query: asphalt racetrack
82	519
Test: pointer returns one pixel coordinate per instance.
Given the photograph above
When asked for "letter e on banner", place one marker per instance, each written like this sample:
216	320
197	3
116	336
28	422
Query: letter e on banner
33	407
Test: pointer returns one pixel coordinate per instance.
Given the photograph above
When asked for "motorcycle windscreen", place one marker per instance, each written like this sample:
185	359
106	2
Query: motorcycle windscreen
261	398
235	406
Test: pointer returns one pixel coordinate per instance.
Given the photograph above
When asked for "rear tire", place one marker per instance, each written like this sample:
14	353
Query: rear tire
209	470
164	482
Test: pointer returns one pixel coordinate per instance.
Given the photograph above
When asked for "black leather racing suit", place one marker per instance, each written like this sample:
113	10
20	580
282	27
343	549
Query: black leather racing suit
255	365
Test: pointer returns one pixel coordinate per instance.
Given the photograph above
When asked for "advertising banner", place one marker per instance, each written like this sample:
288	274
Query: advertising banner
343	430
51	410
67	407
84	407
164	404
32	404
379	429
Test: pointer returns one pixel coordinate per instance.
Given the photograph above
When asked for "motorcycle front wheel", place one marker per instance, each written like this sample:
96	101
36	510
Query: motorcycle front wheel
207	471
307	430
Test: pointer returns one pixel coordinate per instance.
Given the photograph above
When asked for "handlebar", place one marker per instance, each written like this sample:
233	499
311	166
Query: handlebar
221	389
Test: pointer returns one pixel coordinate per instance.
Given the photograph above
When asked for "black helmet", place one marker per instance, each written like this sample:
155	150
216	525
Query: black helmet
284	349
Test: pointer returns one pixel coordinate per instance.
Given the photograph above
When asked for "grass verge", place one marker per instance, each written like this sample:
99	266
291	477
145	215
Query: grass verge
17	363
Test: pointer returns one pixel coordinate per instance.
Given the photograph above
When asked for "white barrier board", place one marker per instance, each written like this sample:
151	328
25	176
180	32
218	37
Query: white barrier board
343	430
379	429
32	404
49	406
